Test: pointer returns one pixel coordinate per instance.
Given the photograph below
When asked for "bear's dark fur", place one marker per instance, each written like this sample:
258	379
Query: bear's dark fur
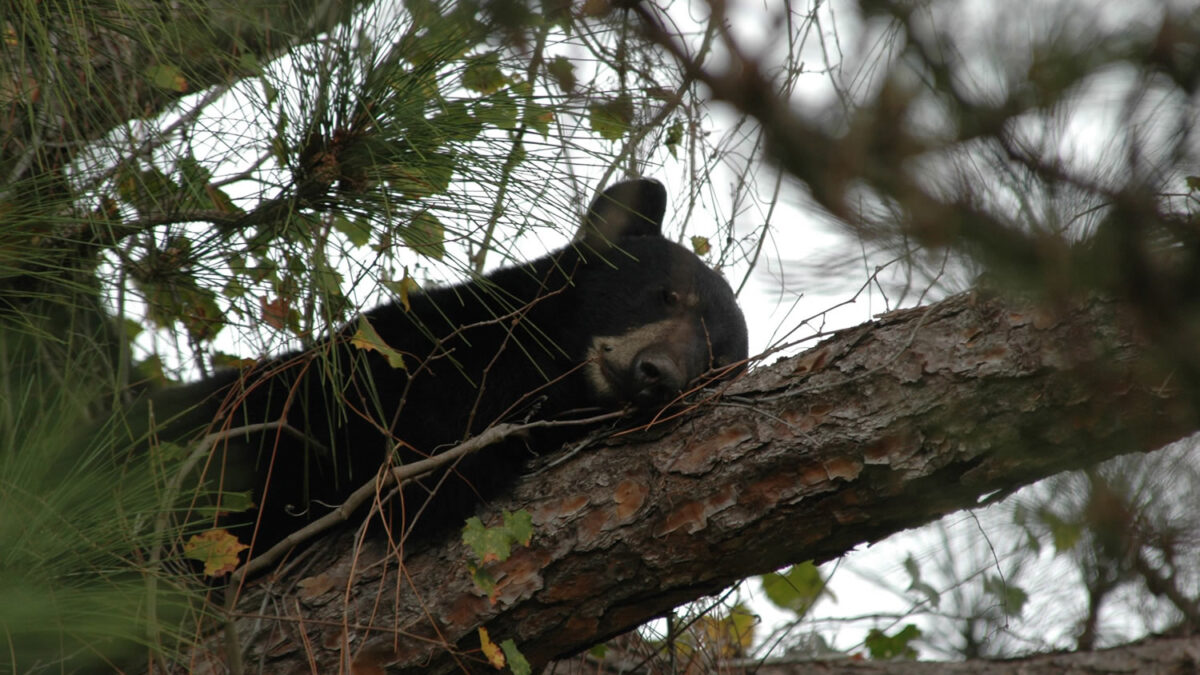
621	317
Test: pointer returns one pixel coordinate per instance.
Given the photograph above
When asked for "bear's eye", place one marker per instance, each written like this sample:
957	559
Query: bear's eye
669	297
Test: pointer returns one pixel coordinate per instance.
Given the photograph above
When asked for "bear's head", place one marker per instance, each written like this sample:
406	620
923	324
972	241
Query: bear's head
659	320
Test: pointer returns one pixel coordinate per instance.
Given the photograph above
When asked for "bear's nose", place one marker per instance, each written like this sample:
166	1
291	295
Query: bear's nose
656	376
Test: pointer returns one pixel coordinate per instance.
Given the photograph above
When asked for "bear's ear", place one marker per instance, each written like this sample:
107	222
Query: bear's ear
632	208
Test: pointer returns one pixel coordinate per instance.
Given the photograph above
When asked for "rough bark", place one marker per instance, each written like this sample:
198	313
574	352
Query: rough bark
878	429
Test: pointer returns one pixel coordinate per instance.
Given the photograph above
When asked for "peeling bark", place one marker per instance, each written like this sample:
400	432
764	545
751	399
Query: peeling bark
878	429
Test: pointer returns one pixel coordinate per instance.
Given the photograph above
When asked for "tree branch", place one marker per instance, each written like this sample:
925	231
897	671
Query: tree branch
881	428
1154	655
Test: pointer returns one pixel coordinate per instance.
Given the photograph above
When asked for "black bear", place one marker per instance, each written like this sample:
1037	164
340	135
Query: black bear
622	317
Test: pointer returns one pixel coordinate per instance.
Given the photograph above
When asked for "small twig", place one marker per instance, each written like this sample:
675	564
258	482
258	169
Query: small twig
399	475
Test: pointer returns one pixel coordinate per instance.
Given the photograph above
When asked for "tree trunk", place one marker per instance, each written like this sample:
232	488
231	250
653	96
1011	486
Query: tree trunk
877	429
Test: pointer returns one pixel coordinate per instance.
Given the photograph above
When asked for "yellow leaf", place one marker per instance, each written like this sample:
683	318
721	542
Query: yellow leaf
490	650
729	636
404	288
217	549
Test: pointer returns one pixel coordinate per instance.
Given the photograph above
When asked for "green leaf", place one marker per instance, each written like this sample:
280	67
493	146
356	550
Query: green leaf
175	296
516	660
281	147
885	647
193	175
167	76
233	289
221	200
611	119
132	328
358	232
483	74
236	502
499	111
539	117
366	338
197	192
520	525
148	190
270	92
426	235
1065	534
674	137
327	282
248	62
225	360
701	246
151	370
1193	183
456	123
797	590
915	584
422	11
495	543
563	72
482	579
520	88
431	176
1012	598
598	651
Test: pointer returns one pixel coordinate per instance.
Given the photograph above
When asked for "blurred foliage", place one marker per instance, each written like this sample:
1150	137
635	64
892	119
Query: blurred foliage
895	646
796	589
79	528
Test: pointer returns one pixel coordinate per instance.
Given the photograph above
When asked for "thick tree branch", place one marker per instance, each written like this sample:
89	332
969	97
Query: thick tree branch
1151	656
880	428
1159	655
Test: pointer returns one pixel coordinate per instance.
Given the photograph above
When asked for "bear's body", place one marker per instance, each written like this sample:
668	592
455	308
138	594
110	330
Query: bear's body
621	317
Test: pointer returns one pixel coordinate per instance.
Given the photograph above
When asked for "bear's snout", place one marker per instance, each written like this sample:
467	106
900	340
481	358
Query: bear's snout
657	378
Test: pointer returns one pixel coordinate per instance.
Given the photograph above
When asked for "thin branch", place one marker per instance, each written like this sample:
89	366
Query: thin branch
398	475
